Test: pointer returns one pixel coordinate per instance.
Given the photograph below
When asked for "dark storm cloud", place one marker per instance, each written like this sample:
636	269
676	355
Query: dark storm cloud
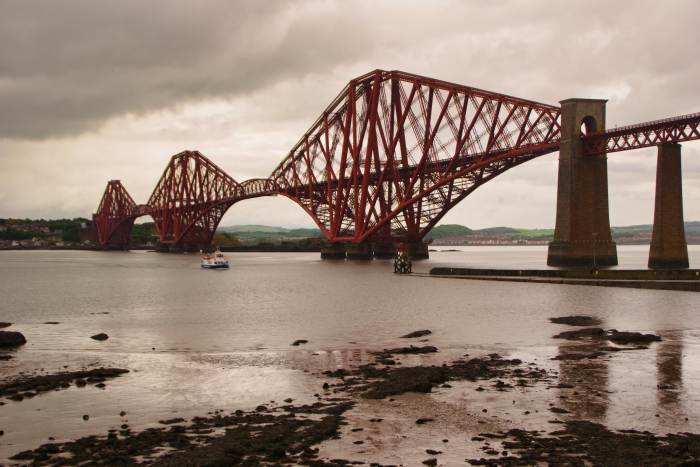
68	66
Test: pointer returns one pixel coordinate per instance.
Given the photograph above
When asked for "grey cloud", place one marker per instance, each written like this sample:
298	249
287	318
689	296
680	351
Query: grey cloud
67	67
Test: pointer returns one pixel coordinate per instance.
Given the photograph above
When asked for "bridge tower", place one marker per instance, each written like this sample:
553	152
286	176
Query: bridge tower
582	232
668	246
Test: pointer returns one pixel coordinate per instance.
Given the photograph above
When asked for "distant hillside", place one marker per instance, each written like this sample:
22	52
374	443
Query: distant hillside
448	230
454	232
266	232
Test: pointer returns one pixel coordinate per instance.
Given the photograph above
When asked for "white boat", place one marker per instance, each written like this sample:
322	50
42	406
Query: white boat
215	260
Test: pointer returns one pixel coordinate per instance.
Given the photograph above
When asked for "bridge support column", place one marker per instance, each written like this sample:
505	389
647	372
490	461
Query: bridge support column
333	251
582	233
360	251
384	250
668	249
417	250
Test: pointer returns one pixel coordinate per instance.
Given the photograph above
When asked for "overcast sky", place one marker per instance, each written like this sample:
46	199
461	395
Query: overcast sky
92	91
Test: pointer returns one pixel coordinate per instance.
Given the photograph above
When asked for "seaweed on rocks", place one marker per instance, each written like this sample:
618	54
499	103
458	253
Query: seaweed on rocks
582	442
249	438
595	333
380	382
29	386
625	337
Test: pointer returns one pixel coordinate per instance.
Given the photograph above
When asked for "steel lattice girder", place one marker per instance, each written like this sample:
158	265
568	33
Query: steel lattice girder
390	155
115	215
191	198
394	151
642	135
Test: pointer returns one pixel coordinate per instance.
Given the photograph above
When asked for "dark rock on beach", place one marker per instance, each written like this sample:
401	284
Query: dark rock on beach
409	350
421	333
587	443
576	320
23	386
300	341
10	339
100	337
624	337
248	438
595	333
5	325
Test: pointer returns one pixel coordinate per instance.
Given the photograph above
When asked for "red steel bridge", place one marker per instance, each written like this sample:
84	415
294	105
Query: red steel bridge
384	162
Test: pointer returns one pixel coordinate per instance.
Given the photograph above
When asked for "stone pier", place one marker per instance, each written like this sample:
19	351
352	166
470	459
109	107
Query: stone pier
582	232
333	251
669	249
417	250
384	250
362	251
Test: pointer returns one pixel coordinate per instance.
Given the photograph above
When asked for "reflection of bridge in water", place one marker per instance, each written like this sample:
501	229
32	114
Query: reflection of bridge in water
394	152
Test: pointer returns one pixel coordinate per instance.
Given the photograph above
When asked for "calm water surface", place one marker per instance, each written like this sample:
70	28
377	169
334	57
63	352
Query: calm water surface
198	340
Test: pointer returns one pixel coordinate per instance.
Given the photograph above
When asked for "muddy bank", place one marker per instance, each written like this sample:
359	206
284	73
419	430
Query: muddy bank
268	435
23	387
587	443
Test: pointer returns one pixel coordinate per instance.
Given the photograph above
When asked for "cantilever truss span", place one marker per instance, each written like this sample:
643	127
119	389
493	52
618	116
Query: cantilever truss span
390	155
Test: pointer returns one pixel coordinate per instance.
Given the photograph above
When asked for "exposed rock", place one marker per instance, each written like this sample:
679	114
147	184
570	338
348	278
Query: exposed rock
242	438
171	421
300	341
595	333
21	387
100	337
623	337
421	333
4	325
9	339
578	356
408	350
51	322
588	443
423	421
576	320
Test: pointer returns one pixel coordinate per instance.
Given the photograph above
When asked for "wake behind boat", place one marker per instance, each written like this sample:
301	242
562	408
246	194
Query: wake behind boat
215	260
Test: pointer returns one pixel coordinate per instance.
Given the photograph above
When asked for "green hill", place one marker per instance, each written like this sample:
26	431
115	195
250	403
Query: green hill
448	230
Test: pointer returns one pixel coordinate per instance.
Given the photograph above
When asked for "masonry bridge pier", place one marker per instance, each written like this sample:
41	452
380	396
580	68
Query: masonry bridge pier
394	152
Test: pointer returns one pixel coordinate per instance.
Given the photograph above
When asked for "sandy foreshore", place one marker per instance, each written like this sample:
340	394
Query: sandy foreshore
406	405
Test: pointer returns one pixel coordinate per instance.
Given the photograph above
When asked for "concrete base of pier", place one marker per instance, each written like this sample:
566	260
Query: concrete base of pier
384	250
360	251
333	251
582	253
417	250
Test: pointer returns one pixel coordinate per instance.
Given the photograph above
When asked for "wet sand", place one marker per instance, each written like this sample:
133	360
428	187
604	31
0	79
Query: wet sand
404	405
